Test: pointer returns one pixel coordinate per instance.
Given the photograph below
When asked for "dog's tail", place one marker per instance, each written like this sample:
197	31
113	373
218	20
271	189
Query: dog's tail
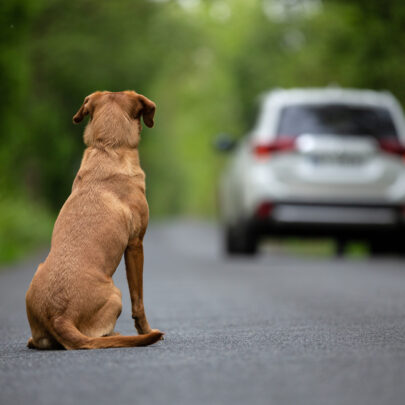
71	338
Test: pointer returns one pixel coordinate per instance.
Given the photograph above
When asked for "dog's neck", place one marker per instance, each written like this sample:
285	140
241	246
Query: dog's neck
104	164
111	128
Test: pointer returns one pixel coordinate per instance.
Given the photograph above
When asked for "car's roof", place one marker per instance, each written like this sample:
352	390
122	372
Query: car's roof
328	95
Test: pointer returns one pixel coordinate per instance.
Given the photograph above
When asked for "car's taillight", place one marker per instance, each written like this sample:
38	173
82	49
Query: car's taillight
392	146
280	144
264	210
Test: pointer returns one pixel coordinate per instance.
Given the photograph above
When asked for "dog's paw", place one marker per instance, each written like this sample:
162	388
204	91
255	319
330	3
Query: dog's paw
158	331
30	343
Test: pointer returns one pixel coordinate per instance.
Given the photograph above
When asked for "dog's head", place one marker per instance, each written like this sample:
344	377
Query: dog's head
115	117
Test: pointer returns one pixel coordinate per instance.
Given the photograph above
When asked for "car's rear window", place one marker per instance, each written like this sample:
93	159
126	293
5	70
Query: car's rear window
336	119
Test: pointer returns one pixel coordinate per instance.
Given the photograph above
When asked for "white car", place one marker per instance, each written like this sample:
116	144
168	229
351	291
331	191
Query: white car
319	162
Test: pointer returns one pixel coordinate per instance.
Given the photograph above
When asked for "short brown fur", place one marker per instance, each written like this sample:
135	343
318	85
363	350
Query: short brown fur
72	302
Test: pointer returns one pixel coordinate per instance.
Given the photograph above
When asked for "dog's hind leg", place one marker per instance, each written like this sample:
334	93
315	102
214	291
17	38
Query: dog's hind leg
43	343
41	338
102	321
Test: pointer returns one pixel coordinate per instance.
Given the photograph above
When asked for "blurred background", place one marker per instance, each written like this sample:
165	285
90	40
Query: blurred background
204	63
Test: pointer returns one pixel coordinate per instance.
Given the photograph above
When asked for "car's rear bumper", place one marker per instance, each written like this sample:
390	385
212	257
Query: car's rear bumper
321	219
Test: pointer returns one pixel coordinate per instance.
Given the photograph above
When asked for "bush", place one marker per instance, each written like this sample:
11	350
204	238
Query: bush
24	226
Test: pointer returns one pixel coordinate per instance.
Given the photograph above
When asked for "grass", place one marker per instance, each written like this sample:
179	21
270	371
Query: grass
24	226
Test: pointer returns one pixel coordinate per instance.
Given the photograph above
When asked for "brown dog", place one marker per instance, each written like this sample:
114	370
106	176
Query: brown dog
72	301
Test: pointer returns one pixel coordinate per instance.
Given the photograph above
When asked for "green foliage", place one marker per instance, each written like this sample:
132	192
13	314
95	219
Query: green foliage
203	62
24	226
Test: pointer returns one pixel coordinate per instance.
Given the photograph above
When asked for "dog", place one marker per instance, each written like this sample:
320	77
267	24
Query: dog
72	302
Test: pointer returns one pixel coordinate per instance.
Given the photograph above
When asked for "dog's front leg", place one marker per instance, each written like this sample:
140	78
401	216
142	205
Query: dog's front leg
134	267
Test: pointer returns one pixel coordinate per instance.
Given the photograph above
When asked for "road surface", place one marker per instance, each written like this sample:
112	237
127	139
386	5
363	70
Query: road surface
278	329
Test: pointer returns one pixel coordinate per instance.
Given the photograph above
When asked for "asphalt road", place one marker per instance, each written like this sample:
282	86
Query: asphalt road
278	329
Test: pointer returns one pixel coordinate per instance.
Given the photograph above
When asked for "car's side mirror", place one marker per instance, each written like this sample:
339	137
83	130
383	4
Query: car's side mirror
224	143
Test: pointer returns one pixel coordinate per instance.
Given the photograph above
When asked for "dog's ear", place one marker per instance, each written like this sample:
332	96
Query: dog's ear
83	111
146	108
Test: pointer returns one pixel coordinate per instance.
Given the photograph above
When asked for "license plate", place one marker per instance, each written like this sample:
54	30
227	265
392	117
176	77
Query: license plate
336	160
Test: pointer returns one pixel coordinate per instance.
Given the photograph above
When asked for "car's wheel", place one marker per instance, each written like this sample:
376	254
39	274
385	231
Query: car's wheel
390	244
240	240
377	248
340	247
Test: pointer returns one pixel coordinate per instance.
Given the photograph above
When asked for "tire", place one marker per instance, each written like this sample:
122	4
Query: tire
340	247
240	240
390	245
377	248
